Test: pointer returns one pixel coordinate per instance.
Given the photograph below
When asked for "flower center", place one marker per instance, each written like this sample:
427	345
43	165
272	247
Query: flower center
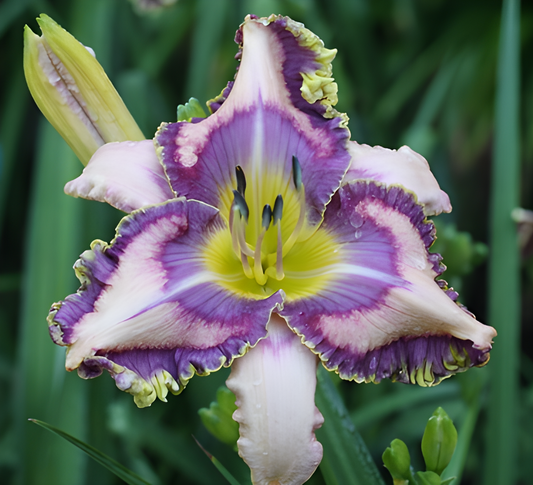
261	248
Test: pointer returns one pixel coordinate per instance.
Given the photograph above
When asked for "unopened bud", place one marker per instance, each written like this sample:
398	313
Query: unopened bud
72	90
439	441
218	418
397	460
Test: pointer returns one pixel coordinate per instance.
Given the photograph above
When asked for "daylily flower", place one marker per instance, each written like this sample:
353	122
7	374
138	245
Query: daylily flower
262	237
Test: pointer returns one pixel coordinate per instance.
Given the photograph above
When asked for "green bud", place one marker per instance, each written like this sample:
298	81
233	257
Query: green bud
72	90
397	460
218	418
428	478
192	109
438	442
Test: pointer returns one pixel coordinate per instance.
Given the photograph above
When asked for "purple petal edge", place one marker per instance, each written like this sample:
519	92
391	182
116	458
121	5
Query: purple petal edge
427	359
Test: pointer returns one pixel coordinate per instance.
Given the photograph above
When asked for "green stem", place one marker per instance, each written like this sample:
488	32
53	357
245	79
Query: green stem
504	286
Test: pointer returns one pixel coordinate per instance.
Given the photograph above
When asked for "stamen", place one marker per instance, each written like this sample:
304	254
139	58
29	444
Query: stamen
241	204
245	249
279	256
246	267
238	225
241	180
233	229
296	172
299	224
266	217
277	213
278	210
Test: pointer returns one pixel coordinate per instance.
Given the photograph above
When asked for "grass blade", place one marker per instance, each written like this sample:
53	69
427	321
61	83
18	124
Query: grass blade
43	388
347	460
119	470
504	269
219	466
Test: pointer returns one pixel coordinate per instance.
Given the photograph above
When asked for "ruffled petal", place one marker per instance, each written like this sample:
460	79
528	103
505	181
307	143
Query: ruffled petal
275	389
126	175
263	119
382	313
149	310
398	167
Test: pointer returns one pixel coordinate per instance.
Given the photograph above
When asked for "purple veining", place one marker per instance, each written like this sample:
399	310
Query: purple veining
231	143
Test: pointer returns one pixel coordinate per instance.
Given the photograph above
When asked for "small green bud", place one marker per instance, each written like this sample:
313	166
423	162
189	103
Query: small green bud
218	418
397	460
192	109
438	442
428	478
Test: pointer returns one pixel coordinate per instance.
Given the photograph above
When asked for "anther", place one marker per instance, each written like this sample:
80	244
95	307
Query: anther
276	216
266	217
241	204
296	172
278	210
241	180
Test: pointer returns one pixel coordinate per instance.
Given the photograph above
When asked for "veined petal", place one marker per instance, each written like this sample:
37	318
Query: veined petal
126	175
398	167
149	310
383	314
275	389
264	120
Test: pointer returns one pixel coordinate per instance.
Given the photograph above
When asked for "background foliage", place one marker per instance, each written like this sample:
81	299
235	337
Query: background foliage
417	72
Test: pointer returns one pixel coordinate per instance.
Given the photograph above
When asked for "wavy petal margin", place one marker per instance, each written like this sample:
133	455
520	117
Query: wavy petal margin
398	167
126	175
275	389
149	311
384	315
264	121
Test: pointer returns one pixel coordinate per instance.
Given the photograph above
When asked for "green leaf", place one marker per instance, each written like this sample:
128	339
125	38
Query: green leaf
115	467
221	468
501	465
347	460
448	481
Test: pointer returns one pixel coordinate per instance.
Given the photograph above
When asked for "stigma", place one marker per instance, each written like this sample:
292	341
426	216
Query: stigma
261	248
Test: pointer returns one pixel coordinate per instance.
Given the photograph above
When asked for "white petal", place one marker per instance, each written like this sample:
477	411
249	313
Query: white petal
399	167
126	175
275	387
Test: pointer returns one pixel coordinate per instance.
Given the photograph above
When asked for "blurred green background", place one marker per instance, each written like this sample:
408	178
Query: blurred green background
418	72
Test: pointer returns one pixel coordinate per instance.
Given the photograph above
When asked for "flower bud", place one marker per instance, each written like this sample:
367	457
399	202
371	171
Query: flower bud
428	478
190	110
218	418
72	90
397	460
438	442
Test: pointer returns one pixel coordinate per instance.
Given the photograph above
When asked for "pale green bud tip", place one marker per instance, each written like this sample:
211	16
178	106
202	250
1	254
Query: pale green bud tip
218	418
72	90
190	110
397	460
439	441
